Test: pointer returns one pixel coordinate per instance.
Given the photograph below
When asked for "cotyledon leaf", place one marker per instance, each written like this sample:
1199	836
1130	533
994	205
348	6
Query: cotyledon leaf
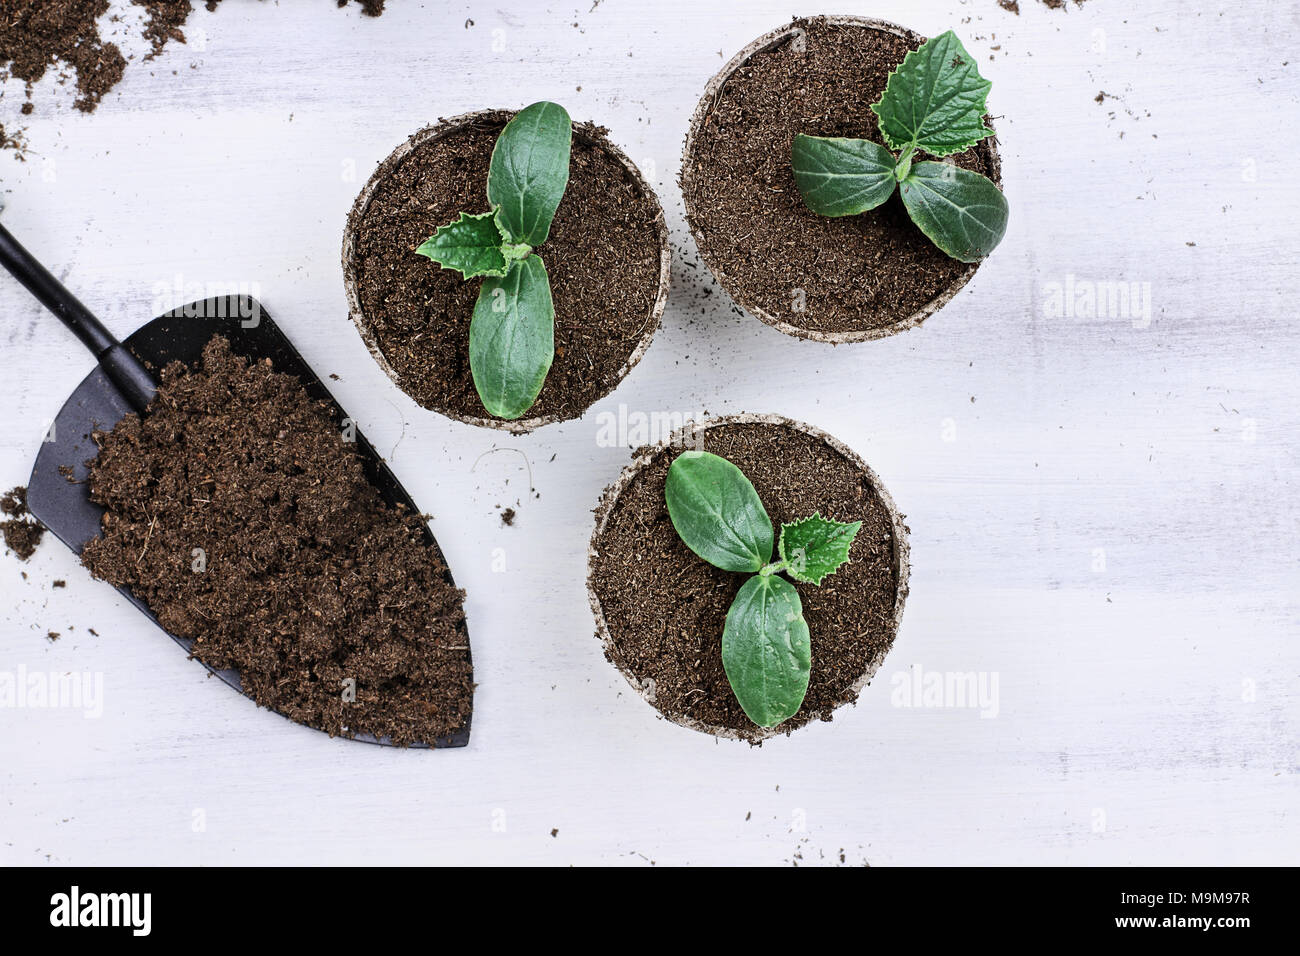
717	512
842	177
512	338
530	170
766	650
961	212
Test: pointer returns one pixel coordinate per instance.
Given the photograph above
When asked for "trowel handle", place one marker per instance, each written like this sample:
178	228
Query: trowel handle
132	378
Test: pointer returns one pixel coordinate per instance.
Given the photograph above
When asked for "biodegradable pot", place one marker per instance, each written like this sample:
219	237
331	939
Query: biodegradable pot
634	539
832	100
622	344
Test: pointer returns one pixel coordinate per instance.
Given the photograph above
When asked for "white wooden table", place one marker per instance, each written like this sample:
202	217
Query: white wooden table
1102	507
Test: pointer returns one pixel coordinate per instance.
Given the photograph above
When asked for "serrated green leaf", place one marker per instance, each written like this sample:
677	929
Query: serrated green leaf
471	245
961	212
935	100
717	513
842	177
529	171
512	338
766	650
815	547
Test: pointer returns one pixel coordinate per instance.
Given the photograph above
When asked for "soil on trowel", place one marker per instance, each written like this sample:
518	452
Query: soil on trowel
237	512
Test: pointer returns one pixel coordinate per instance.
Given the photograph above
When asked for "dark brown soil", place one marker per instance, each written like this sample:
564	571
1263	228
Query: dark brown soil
602	257
1014	5
371	8
1060	4
15	141
165	19
857	273
310	579
22	533
38	34
665	607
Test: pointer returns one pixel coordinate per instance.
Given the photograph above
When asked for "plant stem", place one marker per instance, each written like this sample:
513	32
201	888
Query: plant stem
773	568
904	165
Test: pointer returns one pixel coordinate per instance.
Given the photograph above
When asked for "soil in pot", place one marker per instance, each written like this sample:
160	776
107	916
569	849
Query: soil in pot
235	510
664	607
603	256
851	277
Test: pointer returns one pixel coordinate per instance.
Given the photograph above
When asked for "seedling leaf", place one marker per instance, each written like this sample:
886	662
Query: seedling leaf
529	171
471	245
512	338
935	100
815	547
961	212
766	650
842	177
717	512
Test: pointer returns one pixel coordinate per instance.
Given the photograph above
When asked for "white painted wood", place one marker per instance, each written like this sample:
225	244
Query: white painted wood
1111	530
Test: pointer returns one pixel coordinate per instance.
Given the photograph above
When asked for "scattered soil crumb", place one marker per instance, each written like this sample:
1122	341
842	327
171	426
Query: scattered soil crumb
1014	5
60	583
508	517
36	35
14	141
164	23
22	533
51	636
555	832
371	8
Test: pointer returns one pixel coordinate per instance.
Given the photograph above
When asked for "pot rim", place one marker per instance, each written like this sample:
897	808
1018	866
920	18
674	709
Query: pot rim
680	438
436	131
713	90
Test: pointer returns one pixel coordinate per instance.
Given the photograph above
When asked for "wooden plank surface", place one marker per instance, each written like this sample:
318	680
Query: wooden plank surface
1102	509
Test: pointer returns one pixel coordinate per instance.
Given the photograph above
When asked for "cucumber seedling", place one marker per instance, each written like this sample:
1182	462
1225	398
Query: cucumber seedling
766	649
512	332
933	103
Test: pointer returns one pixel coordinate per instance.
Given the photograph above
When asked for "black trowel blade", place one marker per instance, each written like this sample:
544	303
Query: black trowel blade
57	493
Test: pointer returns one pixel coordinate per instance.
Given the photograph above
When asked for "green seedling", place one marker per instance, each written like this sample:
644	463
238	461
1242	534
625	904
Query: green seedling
934	103
512	332
766	649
